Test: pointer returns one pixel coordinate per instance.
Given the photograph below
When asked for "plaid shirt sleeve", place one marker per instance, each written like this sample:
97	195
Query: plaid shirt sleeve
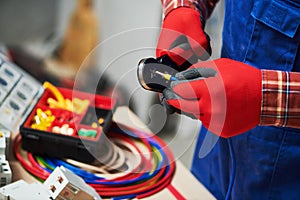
205	7
280	99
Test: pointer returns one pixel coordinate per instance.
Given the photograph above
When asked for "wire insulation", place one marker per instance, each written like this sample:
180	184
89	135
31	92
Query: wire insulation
144	165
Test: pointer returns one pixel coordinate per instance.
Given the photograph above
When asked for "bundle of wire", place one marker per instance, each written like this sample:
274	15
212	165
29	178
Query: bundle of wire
152	168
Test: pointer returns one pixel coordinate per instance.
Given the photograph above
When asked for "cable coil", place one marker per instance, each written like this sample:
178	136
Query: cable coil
143	165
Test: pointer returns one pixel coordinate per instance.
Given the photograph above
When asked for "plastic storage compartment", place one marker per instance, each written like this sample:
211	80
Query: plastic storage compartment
96	118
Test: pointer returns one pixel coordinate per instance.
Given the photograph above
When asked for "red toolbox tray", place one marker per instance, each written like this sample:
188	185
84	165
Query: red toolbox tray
76	146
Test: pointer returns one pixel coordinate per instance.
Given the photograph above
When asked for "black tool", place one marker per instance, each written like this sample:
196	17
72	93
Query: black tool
152	73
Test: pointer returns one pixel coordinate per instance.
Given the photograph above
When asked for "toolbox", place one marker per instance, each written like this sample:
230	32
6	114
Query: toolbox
49	129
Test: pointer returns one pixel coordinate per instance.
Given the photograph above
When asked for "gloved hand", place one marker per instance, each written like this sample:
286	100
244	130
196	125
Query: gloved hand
182	36
224	94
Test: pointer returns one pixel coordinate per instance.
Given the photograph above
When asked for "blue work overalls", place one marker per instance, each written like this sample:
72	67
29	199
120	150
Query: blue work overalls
264	34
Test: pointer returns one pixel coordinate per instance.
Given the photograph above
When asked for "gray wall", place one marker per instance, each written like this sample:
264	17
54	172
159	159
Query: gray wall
128	32
27	20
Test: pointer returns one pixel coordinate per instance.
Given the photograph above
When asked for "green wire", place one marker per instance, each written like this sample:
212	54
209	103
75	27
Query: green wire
156	158
43	162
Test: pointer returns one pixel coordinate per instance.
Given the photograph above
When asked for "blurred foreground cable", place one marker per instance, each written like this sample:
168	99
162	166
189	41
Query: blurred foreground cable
148	168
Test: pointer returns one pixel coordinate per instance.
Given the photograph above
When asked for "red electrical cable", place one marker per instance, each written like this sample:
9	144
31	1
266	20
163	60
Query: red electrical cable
160	184
139	170
38	173
142	189
109	191
33	162
168	178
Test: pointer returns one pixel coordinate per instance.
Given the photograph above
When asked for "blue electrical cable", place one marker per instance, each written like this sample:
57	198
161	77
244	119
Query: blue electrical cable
233	166
93	179
134	195
82	173
160	169
125	197
46	169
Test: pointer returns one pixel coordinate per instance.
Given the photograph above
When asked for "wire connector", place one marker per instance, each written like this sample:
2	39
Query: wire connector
63	184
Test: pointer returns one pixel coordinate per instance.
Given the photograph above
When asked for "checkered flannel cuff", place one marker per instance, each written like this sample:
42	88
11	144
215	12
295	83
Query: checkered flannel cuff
169	5
280	99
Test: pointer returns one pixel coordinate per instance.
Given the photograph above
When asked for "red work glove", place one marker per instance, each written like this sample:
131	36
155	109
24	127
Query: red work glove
224	94
182	36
